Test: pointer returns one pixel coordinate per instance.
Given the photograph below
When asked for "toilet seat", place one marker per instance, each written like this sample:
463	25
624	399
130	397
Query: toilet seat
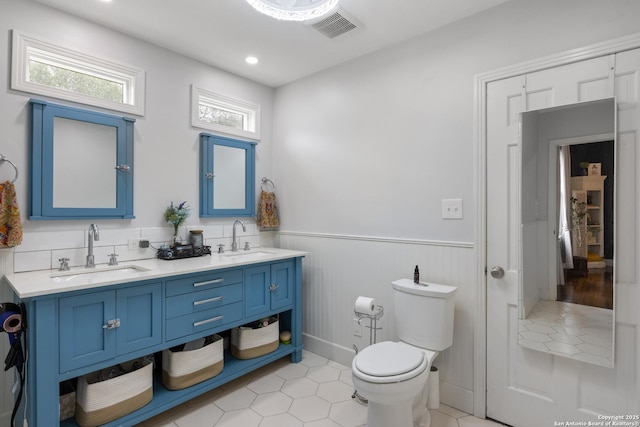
389	362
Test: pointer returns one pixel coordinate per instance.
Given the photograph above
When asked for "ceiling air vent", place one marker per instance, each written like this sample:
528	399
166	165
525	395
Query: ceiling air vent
334	24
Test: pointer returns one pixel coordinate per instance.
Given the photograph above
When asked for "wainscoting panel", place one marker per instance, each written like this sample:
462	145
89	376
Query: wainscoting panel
338	269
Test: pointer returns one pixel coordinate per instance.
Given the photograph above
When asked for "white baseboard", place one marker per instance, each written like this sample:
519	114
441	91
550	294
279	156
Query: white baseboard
331	351
456	397
450	395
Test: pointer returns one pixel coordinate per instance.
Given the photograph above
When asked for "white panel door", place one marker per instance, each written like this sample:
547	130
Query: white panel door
527	388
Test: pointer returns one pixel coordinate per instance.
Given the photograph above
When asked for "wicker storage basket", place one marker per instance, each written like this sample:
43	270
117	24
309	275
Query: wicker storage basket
67	400
248	342
182	369
103	401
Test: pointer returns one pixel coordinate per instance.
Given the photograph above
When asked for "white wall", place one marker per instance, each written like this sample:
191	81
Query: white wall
364	153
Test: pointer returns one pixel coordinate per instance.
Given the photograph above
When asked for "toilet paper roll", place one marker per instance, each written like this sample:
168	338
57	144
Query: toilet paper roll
365	305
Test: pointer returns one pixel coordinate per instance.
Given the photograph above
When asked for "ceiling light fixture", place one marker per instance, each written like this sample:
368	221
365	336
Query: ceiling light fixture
251	60
294	10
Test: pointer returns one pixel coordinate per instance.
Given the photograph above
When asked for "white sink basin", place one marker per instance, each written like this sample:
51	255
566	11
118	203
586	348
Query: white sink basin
89	274
248	255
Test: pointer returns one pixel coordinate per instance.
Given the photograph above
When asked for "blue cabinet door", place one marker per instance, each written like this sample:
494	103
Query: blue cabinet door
269	287
256	290
102	325
140	314
282	284
83	340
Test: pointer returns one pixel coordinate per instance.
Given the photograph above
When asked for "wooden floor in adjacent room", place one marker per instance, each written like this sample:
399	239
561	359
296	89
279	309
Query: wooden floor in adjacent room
594	289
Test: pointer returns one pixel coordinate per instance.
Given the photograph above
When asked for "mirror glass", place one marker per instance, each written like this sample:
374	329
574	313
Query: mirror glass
567	279
88	151
229	177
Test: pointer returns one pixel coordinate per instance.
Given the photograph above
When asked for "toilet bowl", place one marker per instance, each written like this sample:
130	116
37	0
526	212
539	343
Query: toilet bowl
393	377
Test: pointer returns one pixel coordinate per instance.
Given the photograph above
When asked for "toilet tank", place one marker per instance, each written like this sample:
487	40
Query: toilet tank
424	313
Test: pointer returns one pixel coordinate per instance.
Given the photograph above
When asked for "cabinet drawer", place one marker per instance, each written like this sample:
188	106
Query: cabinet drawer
203	281
202	300
202	320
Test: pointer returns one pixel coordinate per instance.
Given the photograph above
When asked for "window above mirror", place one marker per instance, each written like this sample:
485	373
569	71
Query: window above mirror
227	176
224	114
43	68
81	163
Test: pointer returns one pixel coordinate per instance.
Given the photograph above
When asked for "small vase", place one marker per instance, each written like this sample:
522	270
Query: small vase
175	240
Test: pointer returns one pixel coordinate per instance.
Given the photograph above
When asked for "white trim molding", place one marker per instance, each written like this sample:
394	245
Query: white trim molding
250	112
468	245
28	47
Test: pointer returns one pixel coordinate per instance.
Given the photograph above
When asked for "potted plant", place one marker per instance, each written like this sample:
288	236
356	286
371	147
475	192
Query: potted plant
176	216
584	167
578	217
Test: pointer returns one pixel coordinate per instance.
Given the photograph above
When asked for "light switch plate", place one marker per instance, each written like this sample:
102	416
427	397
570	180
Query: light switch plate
451	208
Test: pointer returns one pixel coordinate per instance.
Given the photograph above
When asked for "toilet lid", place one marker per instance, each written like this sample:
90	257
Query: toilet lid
388	358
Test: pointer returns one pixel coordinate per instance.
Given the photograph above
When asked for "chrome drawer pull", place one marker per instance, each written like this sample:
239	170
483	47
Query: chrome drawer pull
112	324
273	287
204	301
204	322
208	282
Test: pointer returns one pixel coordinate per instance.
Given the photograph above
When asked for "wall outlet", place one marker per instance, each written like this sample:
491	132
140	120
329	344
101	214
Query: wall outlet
357	328
133	243
452	209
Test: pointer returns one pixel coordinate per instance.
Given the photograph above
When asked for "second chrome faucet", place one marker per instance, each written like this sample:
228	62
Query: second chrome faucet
94	234
234	243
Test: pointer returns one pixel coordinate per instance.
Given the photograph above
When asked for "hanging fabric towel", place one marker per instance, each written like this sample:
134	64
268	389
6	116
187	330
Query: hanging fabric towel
10	223
267	211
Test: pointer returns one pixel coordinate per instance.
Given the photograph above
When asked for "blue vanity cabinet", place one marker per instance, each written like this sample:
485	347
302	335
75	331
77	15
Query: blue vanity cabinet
77	332
98	326
268	287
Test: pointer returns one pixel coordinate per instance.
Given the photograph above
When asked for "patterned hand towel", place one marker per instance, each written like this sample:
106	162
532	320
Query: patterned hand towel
10	223
267	211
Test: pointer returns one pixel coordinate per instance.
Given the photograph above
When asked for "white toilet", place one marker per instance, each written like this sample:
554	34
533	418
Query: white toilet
393	376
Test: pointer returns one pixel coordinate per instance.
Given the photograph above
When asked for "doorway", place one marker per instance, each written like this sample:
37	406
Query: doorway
588	279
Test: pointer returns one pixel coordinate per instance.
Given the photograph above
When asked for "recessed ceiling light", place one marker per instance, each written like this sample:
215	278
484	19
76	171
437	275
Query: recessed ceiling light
252	60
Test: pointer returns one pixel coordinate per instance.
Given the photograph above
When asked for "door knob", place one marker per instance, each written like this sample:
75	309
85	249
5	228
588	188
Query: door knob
497	272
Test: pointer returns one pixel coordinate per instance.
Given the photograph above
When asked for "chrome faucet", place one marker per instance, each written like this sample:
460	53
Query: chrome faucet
234	243
94	233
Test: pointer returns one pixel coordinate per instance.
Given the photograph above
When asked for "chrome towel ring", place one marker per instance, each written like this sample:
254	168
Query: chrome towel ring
266	180
4	159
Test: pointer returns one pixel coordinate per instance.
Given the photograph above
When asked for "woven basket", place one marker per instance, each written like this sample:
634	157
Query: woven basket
105	401
182	369
247	343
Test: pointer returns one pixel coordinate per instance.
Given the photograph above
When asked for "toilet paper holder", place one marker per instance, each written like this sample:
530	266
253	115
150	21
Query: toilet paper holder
373	321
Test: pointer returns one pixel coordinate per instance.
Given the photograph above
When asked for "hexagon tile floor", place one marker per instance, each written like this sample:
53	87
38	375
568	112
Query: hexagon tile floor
313	393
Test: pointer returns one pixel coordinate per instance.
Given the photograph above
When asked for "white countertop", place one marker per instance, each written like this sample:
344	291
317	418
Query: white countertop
45	282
